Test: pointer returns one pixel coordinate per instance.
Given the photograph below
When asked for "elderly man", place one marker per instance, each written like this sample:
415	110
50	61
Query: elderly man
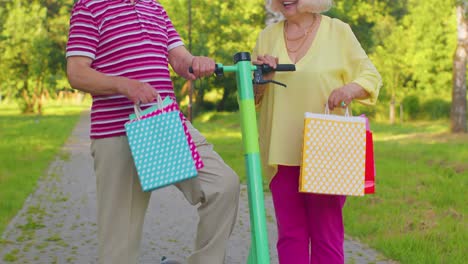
119	52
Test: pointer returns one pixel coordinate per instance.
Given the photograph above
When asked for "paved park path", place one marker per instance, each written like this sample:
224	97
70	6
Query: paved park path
58	221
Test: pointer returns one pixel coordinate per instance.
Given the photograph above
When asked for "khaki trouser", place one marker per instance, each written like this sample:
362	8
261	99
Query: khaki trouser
122	204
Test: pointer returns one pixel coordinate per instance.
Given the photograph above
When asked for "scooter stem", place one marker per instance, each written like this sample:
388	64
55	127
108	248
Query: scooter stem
259	249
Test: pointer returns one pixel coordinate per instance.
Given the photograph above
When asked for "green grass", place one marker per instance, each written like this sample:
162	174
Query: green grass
418	212
224	132
28	144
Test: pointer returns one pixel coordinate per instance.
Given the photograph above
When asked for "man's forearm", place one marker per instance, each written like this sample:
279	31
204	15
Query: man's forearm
84	78
180	60
88	80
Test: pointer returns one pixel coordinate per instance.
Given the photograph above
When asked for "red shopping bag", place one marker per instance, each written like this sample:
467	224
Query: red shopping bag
369	179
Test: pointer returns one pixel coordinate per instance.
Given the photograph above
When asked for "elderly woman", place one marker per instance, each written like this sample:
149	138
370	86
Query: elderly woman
331	68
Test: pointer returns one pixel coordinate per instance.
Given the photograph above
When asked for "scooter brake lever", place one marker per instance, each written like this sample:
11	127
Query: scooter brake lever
278	83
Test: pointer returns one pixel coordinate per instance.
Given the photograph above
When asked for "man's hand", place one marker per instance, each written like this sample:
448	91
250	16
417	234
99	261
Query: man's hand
202	67
181	60
136	91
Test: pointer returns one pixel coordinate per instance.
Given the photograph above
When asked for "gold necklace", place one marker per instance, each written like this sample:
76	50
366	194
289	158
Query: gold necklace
306	32
304	37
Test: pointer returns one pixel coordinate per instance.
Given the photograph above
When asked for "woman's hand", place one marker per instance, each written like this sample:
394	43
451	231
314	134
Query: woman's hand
343	96
270	61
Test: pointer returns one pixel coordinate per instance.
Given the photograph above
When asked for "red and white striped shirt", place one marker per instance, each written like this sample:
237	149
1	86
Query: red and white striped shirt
123	39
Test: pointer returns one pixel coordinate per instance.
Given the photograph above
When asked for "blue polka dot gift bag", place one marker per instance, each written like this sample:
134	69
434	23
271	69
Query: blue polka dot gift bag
159	147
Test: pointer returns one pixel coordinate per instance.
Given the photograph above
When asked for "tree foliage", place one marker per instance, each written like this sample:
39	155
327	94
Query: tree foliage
32	51
412	43
219	30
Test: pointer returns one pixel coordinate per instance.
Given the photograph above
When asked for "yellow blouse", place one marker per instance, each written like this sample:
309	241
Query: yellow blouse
334	59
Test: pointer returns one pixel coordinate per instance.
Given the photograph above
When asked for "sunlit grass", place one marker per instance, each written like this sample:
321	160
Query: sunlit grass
223	131
417	214
28	145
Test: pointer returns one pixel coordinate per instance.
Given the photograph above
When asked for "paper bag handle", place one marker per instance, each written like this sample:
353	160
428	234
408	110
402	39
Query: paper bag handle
327	110
137	108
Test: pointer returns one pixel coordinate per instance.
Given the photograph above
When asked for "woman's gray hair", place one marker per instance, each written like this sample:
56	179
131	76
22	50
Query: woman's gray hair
310	6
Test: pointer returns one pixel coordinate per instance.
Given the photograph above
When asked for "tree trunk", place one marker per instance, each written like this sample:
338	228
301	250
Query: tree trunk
26	102
458	111
40	101
222	103
392	110
38	95
401	113
190	94
198	98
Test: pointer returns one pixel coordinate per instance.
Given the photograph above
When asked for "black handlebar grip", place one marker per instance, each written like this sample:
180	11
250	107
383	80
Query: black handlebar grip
265	68
285	67
218	70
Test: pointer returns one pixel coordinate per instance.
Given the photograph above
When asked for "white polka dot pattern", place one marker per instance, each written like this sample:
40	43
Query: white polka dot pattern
168	106
333	155
160	150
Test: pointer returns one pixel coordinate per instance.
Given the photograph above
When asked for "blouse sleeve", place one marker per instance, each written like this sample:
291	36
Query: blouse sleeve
359	69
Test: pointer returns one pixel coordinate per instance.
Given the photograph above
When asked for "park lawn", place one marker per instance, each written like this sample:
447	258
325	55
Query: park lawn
224	132
28	144
418	212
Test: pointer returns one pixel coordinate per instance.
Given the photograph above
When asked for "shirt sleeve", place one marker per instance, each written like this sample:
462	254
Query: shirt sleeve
174	39
359	69
83	36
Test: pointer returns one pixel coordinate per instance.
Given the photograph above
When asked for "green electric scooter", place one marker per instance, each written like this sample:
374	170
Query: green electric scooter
259	249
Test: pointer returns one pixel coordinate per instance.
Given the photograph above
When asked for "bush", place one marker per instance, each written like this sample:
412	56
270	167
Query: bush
206	106
411	106
369	111
231	106
436	109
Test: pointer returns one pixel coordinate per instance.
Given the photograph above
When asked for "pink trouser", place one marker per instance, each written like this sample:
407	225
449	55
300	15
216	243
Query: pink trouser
310	226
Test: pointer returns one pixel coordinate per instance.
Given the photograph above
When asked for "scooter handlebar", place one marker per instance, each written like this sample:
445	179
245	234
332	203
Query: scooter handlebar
285	67
217	68
265	68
